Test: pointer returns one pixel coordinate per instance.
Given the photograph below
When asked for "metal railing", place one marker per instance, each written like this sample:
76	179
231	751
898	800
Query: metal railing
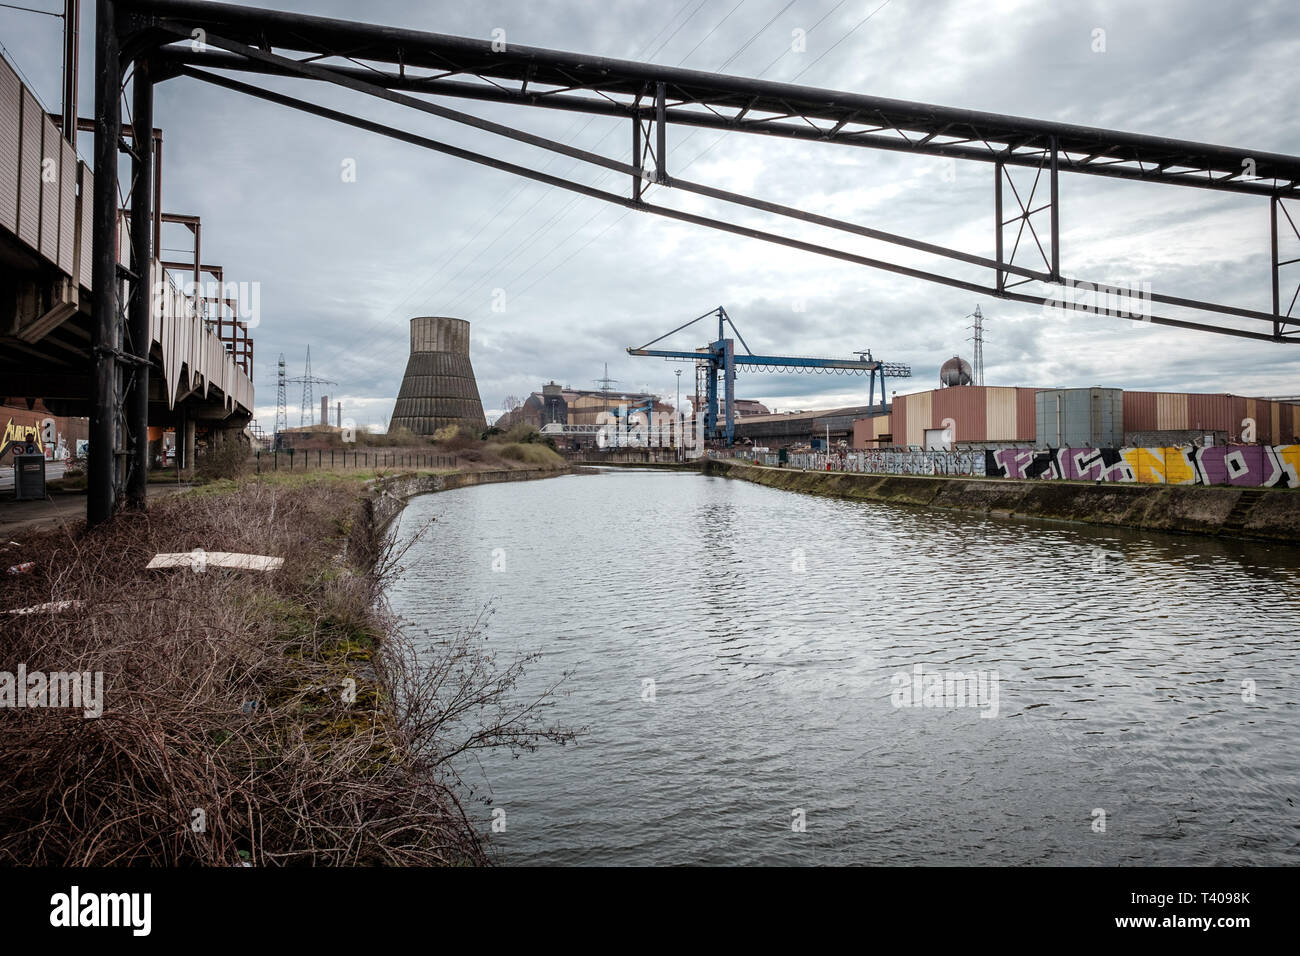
325	459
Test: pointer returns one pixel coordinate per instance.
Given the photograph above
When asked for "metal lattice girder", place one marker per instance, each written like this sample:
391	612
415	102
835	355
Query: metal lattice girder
471	68
392	64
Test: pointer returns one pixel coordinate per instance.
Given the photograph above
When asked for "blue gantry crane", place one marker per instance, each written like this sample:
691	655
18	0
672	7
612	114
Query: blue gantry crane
721	360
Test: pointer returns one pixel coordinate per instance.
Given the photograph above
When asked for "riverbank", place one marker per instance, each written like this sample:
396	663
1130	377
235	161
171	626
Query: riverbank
1272	514
235	717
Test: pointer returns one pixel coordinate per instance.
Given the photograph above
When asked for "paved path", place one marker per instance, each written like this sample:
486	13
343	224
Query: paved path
53	469
16	516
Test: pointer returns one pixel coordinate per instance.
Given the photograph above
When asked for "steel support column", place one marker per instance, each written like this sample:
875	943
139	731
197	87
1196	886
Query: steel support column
1000	276
661	134
71	43
1056	217
103	479
636	157
1272	216
729	388
138	335
1282	317
711	399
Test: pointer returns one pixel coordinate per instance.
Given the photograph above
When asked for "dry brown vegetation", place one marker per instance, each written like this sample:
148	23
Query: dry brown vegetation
229	731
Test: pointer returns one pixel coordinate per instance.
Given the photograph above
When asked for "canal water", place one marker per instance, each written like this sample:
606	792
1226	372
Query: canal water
745	664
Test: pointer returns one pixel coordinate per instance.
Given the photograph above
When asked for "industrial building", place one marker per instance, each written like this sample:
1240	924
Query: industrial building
812	428
438	388
1075	417
560	404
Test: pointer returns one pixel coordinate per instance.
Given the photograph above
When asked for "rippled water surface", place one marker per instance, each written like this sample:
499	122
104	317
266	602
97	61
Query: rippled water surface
771	624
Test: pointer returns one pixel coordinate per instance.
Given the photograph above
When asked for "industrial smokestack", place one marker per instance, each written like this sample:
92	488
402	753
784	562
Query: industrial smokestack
324	409
438	388
338	419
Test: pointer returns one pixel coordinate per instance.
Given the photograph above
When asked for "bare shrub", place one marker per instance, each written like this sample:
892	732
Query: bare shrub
227	459
276	719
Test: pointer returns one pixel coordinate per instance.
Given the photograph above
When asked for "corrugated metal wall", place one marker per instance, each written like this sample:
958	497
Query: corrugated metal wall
1009	415
84	215
29	173
38	176
1026	421
965	406
1153	411
1212	413
1001	414
979	413
1140	411
51	142
10	121
919	414
1171	410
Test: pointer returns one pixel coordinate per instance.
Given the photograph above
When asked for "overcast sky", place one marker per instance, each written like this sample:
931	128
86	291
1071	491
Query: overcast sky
343	265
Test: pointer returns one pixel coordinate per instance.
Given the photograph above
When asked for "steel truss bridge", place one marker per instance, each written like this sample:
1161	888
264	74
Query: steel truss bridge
156	40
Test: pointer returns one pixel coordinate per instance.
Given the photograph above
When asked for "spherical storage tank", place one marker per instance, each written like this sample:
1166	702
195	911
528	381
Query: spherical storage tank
955	371
438	388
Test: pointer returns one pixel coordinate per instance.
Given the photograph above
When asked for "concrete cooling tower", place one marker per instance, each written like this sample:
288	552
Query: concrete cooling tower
438	388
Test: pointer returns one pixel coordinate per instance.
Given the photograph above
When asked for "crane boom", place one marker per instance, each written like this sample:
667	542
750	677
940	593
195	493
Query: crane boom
720	356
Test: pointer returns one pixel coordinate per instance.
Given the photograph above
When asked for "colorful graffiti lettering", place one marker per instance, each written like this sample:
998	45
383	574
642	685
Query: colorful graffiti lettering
25	433
1247	465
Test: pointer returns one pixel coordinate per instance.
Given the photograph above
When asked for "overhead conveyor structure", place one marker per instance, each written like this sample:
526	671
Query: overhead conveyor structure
153	41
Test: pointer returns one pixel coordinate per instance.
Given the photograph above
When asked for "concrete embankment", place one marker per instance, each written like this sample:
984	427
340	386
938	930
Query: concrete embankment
633	464
1245	512
389	495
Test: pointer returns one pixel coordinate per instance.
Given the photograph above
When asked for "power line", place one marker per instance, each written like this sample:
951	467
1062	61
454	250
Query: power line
711	32
383	323
686	138
48	13
782	54
455	253
841	39
604	175
728	61
513	253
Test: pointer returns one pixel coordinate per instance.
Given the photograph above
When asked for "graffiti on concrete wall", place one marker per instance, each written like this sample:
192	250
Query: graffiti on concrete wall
892	462
1247	465
1269	466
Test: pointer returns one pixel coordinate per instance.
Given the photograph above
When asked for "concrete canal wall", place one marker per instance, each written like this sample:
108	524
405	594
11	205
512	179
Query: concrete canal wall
389	495
1194	509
